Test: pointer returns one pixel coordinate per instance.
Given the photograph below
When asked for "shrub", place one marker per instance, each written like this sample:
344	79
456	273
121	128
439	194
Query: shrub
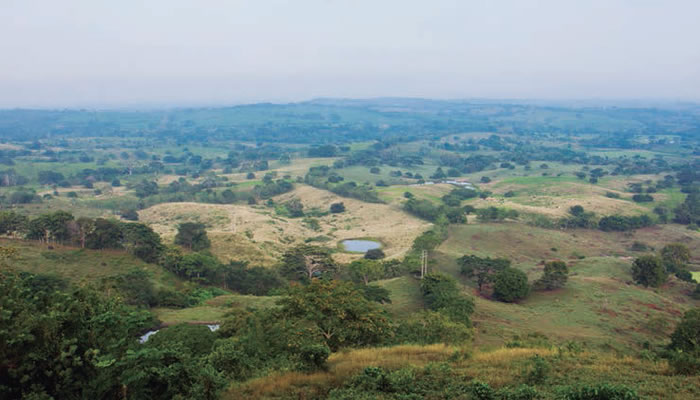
314	356
481	391
510	285
522	392
129	215
603	391
374	254
555	276
643	198
684	363
538	370
337	208
649	271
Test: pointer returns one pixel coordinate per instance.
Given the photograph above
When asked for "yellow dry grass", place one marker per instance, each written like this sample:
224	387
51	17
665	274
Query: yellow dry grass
341	366
256	234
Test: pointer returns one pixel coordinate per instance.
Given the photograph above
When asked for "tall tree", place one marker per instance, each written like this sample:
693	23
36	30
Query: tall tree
510	285
482	269
339	312
555	276
649	271
192	235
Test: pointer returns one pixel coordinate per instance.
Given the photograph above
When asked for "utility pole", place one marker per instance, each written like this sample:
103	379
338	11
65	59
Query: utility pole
423	264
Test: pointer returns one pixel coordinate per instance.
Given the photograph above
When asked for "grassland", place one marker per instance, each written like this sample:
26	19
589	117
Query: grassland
257	234
213	310
498	368
600	304
81	266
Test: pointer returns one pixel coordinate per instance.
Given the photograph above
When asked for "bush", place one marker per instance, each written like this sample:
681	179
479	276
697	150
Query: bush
510	285
374	254
603	391
430	327
129	215
481	391
522	392
337	208
171	298
643	198
538	370
686	336
555	276
649	271
684	363
314	356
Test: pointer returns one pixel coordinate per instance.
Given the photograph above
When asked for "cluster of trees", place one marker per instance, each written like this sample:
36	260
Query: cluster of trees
688	212
509	284
450	209
490	214
653	269
99	233
580	218
429	211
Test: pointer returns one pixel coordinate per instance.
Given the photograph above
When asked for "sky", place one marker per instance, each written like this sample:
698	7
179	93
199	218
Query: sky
93	53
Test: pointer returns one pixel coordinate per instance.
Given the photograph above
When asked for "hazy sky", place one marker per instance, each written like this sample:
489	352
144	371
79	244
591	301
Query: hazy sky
100	53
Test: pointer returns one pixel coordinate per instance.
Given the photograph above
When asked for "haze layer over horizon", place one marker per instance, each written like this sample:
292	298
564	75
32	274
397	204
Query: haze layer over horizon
79	53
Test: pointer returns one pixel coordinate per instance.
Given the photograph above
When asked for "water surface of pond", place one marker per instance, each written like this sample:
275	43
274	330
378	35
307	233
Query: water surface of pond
359	245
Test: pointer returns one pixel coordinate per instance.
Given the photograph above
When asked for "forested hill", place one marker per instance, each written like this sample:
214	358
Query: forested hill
342	120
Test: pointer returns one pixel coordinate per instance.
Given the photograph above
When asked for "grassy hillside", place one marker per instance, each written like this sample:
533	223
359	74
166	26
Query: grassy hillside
447	367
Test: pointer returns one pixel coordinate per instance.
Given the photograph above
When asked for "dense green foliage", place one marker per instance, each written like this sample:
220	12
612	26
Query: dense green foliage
510	285
555	276
649	271
192	235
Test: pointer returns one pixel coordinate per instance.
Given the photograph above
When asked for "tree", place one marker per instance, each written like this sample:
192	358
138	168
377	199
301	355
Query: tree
295	208
59	342
50	227
305	262
101	234
337	208
141	241
365	271
146	188
685	344
129	214
11	222
482	269
649	271
675	253
441	293
339	312
555	276
375	254
510	285
675	257
686	336
192	235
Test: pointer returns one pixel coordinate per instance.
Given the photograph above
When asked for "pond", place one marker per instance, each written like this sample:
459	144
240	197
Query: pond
360	246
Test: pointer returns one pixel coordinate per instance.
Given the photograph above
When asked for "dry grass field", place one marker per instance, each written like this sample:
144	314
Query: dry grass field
257	234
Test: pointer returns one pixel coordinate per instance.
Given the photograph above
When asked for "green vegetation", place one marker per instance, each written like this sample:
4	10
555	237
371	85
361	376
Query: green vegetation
512	238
